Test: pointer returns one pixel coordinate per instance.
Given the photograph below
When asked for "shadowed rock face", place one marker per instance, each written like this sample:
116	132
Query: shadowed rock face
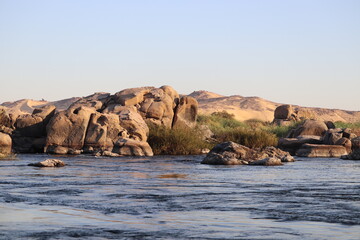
186	113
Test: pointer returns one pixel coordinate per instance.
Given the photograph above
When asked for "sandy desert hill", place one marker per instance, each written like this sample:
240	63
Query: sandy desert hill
243	108
246	108
27	106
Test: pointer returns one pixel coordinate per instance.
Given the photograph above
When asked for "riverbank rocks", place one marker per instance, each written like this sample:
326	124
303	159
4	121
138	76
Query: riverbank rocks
230	153
321	151
48	163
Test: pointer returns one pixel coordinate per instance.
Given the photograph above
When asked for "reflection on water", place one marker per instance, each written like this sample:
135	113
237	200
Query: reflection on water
176	197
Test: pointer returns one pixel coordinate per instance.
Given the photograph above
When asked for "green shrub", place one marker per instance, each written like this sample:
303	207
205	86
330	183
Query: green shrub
217	122
253	138
355	127
178	141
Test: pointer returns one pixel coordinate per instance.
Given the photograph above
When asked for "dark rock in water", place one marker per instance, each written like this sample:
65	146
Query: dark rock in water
354	155
49	163
227	153
230	153
355	143
321	151
270	161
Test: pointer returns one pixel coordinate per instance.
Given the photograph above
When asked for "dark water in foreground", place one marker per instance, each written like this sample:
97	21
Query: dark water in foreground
178	198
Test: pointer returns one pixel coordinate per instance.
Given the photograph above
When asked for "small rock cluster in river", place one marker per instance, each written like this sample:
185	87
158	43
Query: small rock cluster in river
101	123
230	153
318	139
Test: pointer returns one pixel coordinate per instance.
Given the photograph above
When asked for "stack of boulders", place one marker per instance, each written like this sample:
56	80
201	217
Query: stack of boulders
101	123
315	138
230	153
284	115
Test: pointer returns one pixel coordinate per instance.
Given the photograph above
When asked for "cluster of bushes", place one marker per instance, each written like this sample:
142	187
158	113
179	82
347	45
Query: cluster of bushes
251	133
177	141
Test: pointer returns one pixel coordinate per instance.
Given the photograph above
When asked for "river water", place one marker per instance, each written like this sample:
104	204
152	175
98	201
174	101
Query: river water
176	197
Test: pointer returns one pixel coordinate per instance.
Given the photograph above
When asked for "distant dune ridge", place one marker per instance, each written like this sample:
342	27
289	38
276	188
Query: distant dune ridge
243	108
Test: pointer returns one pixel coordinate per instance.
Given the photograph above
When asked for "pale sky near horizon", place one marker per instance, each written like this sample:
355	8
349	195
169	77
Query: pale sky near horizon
303	52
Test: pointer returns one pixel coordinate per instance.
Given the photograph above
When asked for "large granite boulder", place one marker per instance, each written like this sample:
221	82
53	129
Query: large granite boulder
6	122
134	124
186	113
131	147
310	127
283	112
5	144
103	131
321	151
293	144
230	153
68	128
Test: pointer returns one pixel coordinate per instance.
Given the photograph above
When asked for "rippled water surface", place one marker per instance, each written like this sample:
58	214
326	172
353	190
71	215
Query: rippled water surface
178	198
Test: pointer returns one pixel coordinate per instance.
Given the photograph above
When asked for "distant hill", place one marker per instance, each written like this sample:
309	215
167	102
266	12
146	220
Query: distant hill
245	108
27	106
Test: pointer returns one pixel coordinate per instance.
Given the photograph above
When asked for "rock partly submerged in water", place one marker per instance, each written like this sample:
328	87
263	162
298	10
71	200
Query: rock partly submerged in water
49	163
230	153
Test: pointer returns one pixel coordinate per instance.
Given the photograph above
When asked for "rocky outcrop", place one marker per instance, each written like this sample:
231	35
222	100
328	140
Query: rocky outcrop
111	125
186	113
285	115
5	144
321	151
230	153
48	163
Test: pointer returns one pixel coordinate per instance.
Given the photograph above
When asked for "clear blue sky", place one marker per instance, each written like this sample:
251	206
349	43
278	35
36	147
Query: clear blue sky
304	52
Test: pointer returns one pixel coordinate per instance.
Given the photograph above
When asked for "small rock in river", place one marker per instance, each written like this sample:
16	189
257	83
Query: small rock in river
49	163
